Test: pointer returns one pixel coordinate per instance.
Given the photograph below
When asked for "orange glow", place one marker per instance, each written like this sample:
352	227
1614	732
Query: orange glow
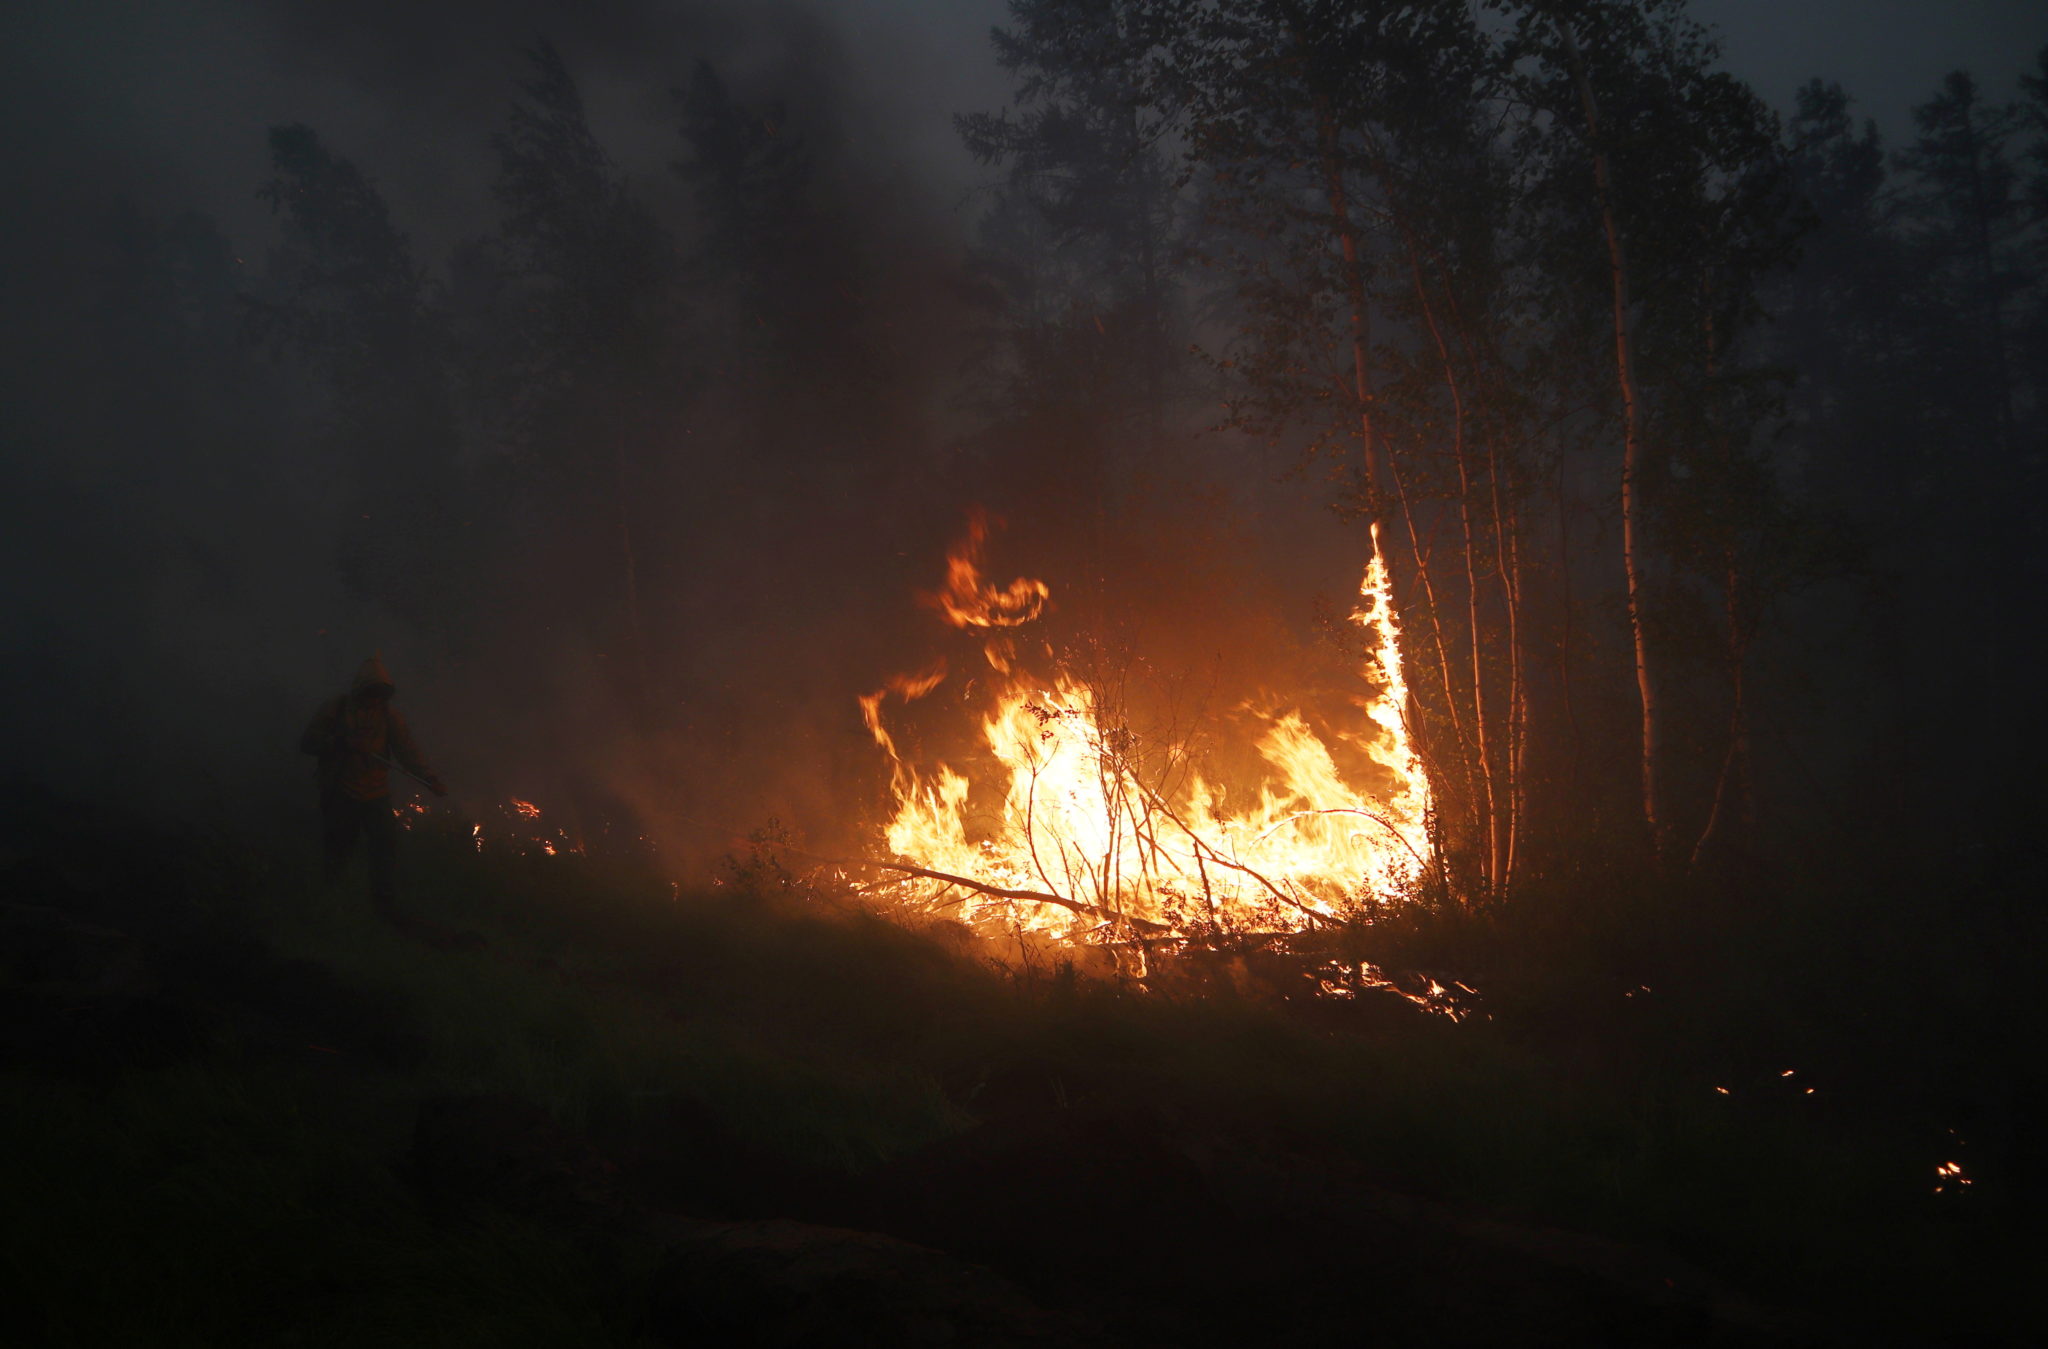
968	601
1082	824
511	825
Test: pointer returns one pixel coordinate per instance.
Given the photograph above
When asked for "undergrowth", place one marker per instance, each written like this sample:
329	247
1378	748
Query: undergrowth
251	1185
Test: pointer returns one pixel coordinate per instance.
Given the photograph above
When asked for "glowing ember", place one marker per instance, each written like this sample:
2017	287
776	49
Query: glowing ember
511	825
1086	827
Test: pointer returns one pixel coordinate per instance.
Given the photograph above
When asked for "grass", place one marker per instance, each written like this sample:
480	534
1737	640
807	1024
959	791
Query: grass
204	1205
252	1185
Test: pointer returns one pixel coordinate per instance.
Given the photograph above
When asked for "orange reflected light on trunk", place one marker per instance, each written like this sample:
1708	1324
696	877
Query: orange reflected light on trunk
1079	825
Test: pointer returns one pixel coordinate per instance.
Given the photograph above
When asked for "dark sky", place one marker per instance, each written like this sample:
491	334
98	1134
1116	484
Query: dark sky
171	100
1889	54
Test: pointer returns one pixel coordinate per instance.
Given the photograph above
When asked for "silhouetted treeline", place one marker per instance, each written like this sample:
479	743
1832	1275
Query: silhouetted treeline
1704	446
616	482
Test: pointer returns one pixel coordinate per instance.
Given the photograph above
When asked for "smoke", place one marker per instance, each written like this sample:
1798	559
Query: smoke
185	582
170	565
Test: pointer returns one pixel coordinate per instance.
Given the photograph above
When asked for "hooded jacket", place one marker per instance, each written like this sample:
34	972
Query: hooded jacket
351	740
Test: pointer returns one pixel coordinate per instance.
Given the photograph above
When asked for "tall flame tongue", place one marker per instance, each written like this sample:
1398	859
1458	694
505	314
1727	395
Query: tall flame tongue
1091	830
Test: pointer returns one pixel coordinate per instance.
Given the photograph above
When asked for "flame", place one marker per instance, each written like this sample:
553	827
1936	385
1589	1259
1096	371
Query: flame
1089	828
512	827
967	601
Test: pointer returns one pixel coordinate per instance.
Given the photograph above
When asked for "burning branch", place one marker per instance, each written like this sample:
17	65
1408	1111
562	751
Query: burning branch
994	891
1378	819
1088	800
1202	847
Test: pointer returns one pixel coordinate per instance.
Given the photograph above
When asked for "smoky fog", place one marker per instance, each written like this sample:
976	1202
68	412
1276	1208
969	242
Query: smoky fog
641	557
784	412
1153	672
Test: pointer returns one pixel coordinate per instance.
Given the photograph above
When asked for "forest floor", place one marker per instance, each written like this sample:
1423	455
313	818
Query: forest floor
238	1109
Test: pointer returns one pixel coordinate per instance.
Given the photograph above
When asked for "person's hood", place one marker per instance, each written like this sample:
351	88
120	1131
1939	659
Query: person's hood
371	675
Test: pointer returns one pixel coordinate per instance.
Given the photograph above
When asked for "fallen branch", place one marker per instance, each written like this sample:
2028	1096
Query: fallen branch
996	891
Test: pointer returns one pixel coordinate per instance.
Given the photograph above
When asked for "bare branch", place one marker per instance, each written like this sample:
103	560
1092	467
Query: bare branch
997	891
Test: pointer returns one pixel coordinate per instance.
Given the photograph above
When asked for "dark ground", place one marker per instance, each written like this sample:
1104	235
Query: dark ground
239	1110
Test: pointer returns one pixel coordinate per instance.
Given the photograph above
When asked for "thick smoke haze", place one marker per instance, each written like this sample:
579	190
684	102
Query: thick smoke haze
1147	948
176	570
168	103
175	602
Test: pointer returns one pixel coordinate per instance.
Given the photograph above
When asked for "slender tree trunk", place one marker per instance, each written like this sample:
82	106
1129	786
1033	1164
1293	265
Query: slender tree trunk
1485	746
1482	357
1354	292
1487	800
1735	760
1508	559
1735	630
1518	688
1566	630
1443	660
1361	378
1632	445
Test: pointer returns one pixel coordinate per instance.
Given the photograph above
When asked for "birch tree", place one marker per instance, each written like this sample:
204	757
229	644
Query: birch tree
1660	167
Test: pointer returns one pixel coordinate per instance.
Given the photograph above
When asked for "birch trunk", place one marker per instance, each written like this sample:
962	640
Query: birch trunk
1632	443
1487	801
